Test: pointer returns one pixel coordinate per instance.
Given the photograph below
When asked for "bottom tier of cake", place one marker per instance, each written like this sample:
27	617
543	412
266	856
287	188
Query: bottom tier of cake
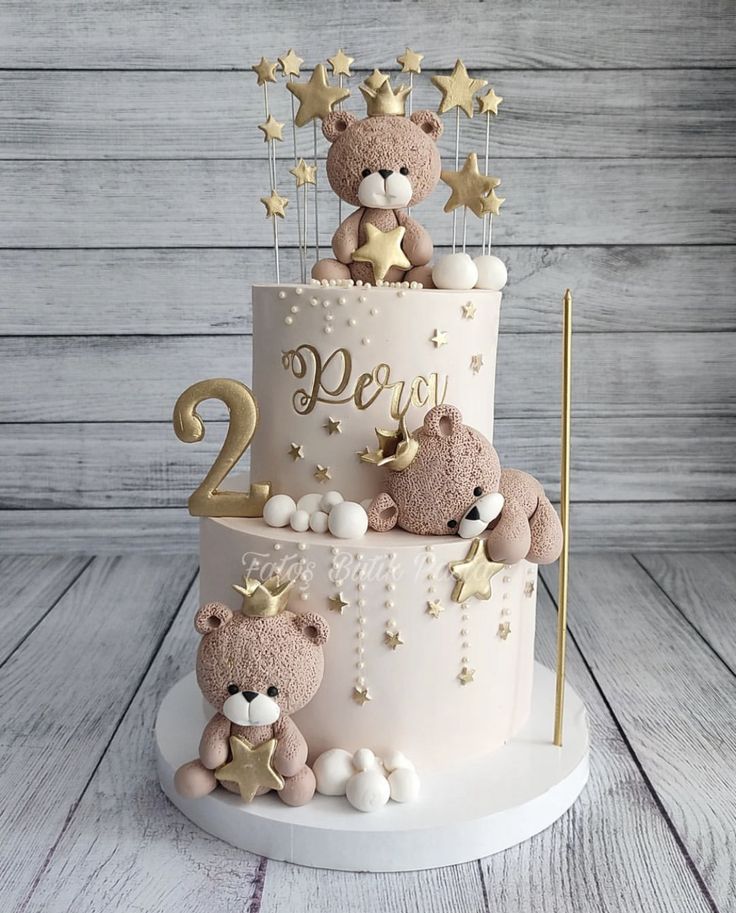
406	667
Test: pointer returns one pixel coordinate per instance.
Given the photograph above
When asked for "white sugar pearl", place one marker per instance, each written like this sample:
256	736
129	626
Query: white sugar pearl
329	500
332	770
309	502
318	521
368	791
404	785
298	290
328	330
288	321
492	272
299	521
282	294
348	520
364	759
278	509
455	271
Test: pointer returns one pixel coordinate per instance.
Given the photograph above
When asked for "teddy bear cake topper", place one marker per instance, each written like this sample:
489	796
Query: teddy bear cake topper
383	164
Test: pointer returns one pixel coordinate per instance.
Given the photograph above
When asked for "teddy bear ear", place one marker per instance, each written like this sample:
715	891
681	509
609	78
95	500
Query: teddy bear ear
313	627
211	617
337	122
443	421
428	123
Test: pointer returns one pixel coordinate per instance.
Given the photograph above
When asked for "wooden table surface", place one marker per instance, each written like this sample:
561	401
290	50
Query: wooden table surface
91	644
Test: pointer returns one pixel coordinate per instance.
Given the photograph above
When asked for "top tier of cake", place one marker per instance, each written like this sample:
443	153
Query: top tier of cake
332	364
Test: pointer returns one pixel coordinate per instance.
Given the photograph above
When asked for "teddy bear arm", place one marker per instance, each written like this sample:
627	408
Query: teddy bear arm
345	240
510	539
291	751
214	746
546	534
417	243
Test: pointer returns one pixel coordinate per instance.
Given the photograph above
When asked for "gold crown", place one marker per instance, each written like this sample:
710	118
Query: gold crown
396	449
263	599
380	96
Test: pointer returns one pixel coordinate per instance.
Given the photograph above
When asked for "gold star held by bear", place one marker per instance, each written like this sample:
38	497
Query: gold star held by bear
290	63
466	675
337	603
529	589
382	250
322	473
317	97
439	339
469	187
265	71
435	609
332	426
275	205
392	639
304	173
469	310
474	573
250	767
476	363
410	61
458	89
340	63
296	451
361	695
493	203
504	629
272	129
488	103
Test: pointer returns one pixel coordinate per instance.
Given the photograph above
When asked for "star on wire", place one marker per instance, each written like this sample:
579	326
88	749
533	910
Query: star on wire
272	129
410	61
304	173
458	89
290	63
488	103
469	187
317	97
340	63
275	205
265	71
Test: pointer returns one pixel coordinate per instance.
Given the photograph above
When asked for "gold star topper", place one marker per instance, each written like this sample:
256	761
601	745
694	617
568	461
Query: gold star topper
275	205
492	203
469	187
265	71
396	449
290	63
340	63
410	61
458	89
304	174
488	103
317	97
382	250
474	573
272	129
251	768
263	599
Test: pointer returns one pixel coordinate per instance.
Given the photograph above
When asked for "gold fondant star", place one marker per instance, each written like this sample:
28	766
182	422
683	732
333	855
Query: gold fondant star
435	609
265	71
476	363
361	695
290	63
469	310
304	174
250	767
474	573
504	629
332	426
272	129
466	675
410	61
337	603
458	89
439	339
322	473
296	451
275	205
488	103
375	80
493	203
382	250
469	187
392	639
316	97
340	63
529	589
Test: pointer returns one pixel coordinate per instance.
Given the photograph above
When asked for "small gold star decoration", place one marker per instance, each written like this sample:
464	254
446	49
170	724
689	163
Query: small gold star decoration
304	173
458	89
275	205
265	71
504	629
474	573
392	639
296	451
410	61
469	187
317	97
382	250
435	609
272	129
439	339
466	675
322	473
476	363
488	103
493	203
529	589
290	63
250	767
337	603
469	310
340	63
361	695
332	426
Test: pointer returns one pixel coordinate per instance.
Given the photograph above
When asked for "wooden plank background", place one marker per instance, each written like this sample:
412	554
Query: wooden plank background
130	232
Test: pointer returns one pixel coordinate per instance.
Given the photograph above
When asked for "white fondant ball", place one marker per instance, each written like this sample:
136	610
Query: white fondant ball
329	500
278	510
403	784
492	272
348	520
318	521
368	791
332	770
310	502
455	271
395	760
299	521
364	759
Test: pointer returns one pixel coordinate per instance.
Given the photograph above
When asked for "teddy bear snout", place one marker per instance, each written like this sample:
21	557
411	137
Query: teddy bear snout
251	708
484	510
385	189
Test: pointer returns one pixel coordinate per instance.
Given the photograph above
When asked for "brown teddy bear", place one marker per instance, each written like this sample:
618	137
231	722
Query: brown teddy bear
256	667
446	478
382	164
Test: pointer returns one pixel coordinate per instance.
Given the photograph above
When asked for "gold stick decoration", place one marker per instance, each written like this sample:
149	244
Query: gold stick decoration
290	65
564	513
488	105
275	204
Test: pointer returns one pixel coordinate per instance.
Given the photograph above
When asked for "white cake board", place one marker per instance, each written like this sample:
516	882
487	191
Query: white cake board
478	808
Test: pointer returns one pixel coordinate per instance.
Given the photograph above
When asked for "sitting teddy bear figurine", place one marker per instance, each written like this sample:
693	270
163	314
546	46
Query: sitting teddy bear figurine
446	478
382	164
256	667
